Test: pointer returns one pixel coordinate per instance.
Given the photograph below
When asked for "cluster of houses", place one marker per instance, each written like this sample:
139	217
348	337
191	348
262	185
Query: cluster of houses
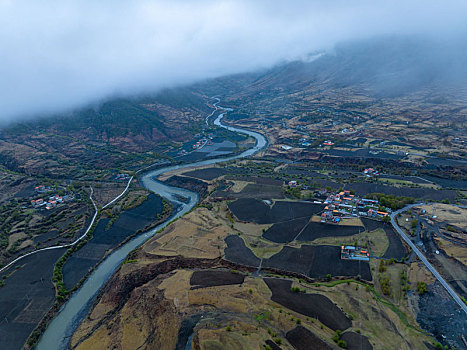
305	142
41	188
344	204
339	205
369	207
203	141
347	130
350	252
122	176
50	203
370	172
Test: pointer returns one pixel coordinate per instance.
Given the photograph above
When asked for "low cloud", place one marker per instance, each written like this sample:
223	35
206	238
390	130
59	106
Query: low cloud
59	55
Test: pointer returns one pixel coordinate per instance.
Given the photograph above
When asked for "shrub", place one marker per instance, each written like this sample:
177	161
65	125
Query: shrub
421	288
337	336
381	267
386	287
342	343
451	228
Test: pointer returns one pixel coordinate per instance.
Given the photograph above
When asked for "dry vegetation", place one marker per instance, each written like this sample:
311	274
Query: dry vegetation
239	316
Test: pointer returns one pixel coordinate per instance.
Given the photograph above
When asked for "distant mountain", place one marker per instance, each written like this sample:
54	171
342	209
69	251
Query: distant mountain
385	67
116	132
130	124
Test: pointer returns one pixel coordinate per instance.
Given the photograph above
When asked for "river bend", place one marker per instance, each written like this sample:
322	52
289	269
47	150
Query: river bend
61	328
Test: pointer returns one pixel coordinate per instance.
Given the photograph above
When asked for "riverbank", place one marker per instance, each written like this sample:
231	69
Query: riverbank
58	331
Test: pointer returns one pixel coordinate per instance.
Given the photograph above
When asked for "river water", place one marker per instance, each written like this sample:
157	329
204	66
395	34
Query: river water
61	328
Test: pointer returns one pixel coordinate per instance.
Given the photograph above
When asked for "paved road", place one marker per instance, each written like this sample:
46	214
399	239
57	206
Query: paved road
430	267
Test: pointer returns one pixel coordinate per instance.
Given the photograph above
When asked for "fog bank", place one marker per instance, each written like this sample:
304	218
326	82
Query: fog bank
60	55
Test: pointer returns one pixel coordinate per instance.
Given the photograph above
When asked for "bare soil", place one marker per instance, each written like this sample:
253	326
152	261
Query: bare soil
206	173
356	341
285	232
210	278
318	261
371	224
312	305
254	210
396	248
303	339
26	297
239	253
316	230
103	239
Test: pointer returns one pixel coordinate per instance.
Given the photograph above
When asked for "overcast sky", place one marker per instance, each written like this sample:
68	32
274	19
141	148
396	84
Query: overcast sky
63	54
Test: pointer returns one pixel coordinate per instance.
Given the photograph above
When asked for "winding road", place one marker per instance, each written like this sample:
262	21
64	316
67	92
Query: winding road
59	331
422	257
69	245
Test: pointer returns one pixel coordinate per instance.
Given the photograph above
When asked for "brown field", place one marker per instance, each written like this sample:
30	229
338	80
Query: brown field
147	309
377	241
236	317
448	214
198	234
105	192
453	250
417	272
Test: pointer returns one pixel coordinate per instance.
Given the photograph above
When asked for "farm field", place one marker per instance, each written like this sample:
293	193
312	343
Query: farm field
27	296
221	261
105	237
316	230
311	305
293	246
303	339
317	262
236	251
206	173
253	210
275	233
286	231
211	278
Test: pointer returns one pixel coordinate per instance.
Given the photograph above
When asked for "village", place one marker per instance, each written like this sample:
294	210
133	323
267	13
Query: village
199	144
344	204
52	201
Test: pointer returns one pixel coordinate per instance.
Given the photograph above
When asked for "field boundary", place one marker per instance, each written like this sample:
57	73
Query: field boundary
63	245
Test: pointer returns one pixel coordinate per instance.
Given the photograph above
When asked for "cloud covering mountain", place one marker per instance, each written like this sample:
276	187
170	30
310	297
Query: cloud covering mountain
59	55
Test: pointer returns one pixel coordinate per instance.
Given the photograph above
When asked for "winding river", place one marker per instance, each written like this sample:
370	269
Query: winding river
61	328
